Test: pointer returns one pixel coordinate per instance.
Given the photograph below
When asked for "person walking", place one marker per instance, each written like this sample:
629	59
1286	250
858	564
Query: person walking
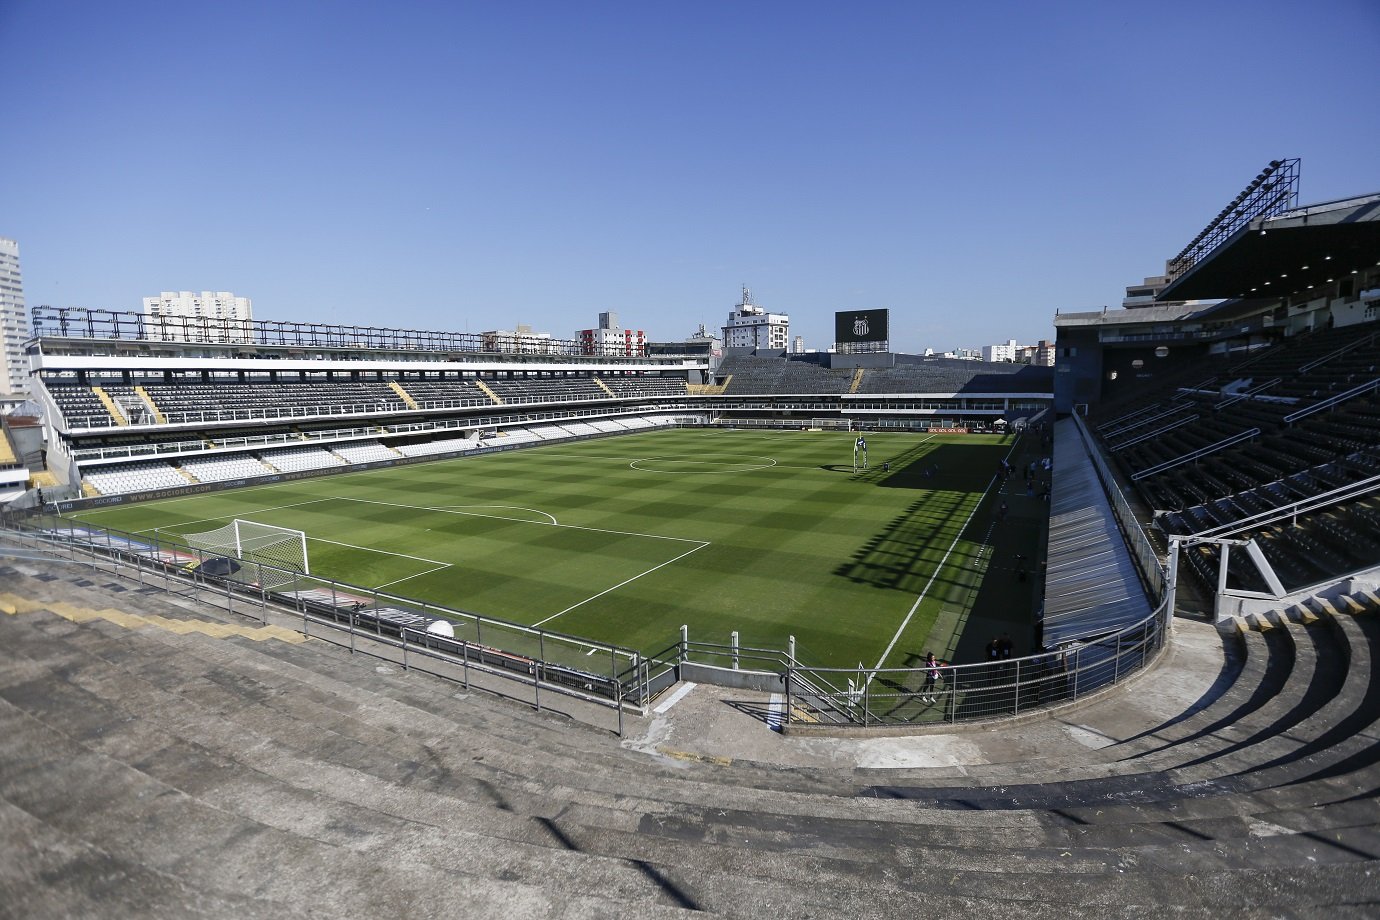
932	665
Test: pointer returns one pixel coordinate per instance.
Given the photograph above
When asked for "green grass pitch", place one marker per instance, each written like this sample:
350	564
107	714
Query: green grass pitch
624	539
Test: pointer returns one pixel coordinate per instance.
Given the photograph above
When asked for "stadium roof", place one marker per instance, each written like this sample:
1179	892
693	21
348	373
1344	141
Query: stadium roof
1287	254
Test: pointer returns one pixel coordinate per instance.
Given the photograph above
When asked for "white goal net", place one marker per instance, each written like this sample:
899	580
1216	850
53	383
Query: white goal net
271	556
832	424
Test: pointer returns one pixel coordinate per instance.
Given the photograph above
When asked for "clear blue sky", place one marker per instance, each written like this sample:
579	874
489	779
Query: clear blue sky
469	166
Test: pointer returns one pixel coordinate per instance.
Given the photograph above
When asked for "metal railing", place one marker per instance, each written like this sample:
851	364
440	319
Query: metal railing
541	660
1152	570
1359	390
972	692
1247	435
83	323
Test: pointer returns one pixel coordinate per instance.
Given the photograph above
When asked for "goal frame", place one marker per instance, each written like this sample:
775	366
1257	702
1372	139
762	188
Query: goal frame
237	539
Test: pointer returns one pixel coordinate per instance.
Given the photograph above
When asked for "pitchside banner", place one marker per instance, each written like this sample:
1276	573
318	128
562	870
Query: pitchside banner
860	326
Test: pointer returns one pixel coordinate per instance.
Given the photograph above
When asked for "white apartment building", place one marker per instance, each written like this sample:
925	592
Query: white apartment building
751	326
522	340
14	323
1006	352
1041	354
610	339
211	316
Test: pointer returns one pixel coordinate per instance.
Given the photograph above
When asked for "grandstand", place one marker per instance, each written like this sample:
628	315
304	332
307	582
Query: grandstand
1248	429
128	415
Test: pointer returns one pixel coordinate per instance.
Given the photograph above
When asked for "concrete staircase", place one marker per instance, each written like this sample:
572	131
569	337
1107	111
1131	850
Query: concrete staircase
405	396
158	415
115	412
488	392
151	768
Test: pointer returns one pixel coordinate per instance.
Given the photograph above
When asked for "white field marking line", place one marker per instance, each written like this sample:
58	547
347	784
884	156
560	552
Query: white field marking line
437	565
621	584
232	517
332	478
383	552
389	584
512	507
937	569
633	464
496	517
675	698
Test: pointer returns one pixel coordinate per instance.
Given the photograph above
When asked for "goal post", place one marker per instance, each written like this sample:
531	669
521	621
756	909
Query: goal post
832	424
281	549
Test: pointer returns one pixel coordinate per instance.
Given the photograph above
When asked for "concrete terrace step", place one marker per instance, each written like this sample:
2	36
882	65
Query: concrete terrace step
509	803
342	785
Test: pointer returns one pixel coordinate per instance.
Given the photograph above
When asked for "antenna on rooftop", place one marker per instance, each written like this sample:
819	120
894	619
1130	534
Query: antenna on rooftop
747	296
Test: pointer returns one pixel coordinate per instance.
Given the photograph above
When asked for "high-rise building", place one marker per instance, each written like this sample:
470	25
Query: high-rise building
14	323
751	326
217	316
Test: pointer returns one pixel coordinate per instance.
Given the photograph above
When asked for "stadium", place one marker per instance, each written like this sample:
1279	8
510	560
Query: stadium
308	619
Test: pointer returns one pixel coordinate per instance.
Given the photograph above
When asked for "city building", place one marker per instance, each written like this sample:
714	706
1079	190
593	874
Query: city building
185	316
610	339
751	326
14	323
1006	352
1040	354
521	341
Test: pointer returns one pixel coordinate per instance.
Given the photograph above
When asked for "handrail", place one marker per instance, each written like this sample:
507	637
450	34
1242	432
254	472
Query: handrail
1303	506
974	692
1349	346
1121	418
1107	435
1246	435
1245	394
1137	541
1333	401
1150	434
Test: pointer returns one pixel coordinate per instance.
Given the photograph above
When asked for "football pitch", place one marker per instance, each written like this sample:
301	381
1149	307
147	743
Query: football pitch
624	539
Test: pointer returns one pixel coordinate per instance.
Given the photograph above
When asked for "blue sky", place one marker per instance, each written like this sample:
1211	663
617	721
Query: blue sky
469	166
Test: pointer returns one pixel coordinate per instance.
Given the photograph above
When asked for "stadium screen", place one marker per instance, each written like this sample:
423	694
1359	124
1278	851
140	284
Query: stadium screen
860	326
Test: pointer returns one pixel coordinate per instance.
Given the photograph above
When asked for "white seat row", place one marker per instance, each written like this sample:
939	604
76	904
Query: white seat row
364	452
294	459
219	469
428	448
135	477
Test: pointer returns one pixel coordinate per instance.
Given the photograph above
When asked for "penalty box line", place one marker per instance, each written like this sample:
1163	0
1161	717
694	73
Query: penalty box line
699	544
619	585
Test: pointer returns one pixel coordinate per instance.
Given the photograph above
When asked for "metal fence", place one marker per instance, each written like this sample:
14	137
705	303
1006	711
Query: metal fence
442	640
971	692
